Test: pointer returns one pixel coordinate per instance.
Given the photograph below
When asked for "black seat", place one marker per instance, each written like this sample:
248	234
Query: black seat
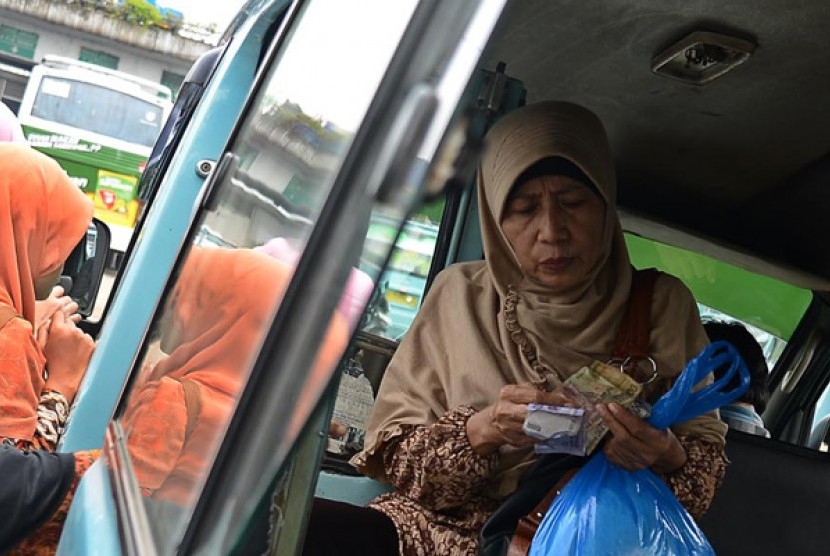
775	500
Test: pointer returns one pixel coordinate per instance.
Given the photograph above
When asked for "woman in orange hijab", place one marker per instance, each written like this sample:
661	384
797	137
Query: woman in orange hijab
213	324
42	217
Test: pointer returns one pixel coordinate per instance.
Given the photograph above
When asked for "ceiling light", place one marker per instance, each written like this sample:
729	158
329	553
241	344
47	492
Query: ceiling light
701	57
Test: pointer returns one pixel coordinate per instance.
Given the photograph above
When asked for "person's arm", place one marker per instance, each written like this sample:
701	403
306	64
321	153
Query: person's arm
45	539
436	465
67	350
33	487
445	464
696	482
33	413
52	414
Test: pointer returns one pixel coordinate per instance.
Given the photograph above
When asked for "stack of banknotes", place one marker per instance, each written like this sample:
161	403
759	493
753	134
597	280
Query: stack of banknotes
579	429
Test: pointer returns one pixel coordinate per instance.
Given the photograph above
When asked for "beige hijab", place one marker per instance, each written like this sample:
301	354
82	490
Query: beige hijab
484	325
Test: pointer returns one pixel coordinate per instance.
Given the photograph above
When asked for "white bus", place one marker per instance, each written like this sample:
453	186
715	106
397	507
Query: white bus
100	125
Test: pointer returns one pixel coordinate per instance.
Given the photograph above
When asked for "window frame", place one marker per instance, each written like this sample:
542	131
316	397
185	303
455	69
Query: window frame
298	328
241	454
93	56
18	32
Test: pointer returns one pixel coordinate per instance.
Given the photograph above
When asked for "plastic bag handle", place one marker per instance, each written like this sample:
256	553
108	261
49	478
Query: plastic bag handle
680	404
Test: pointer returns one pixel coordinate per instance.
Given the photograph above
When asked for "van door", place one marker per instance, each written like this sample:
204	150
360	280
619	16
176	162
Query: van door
253	321
164	224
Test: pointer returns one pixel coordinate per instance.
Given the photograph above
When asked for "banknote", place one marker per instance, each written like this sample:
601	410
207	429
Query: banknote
601	383
544	422
574	445
589	386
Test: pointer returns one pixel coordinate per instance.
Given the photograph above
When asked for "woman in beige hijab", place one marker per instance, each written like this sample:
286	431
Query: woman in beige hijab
498	334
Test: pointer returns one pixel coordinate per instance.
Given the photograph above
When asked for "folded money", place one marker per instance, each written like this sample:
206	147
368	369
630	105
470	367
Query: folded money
549	421
589	386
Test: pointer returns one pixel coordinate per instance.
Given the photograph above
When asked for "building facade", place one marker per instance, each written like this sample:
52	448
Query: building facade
31	29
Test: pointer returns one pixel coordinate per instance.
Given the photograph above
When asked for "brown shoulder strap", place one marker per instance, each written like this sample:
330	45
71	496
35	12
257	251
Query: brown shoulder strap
635	329
6	314
526	529
192	405
632	340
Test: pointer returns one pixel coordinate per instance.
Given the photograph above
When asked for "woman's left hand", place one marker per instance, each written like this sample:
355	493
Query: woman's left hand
46	309
636	445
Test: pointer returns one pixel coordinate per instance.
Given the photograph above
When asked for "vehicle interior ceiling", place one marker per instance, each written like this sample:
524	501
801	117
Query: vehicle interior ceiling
735	168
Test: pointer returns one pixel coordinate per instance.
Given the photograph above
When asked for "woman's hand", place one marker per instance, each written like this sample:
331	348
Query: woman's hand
67	352
501	423
44	310
636	445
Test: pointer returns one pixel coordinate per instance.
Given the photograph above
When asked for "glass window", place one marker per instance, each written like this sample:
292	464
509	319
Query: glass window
18	42
768	304
769	309
402	285
98	57
98	109
819	430
771	345
231	279
172	80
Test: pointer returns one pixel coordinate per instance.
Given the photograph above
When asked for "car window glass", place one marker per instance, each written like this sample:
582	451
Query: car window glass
771	345
229	283
770	309
763	302
402	286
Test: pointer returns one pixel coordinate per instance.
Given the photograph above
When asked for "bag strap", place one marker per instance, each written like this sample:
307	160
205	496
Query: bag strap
632	341
526	529
6	314
634	332
192	405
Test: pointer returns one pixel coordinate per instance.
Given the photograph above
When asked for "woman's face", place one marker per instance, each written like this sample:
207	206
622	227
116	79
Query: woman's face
555	226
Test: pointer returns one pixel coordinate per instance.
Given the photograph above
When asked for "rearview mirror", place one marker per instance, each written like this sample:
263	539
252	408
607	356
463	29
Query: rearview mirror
84	269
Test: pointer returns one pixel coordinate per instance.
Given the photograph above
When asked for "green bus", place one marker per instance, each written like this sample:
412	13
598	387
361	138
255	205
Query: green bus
100	125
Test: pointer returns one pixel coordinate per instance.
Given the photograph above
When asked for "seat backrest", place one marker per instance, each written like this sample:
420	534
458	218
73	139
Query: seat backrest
775	500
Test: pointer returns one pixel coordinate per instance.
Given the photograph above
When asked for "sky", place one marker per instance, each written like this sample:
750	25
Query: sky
219	12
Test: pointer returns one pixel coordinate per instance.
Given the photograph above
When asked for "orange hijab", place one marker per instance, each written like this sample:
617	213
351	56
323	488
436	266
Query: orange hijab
42	217
223	300
215	322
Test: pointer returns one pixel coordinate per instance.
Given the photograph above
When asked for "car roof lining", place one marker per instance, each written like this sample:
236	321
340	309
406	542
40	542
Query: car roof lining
743	160
653	230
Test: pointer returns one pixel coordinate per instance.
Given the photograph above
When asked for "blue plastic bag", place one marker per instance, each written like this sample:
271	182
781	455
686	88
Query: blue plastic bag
607	510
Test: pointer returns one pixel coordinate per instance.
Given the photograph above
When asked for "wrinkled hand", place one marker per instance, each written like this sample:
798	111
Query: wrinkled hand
636	445
44	310
67	352
501	423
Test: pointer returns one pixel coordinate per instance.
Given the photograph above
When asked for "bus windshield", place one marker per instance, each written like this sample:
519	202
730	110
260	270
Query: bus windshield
98	109
100	126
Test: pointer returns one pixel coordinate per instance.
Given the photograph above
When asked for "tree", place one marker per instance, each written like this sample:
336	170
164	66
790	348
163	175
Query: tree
140	12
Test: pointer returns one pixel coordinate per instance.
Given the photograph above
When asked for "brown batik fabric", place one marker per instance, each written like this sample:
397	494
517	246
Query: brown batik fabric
437	508
696	482
52	414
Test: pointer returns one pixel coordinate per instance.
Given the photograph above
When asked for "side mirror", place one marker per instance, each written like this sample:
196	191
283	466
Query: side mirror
84	269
